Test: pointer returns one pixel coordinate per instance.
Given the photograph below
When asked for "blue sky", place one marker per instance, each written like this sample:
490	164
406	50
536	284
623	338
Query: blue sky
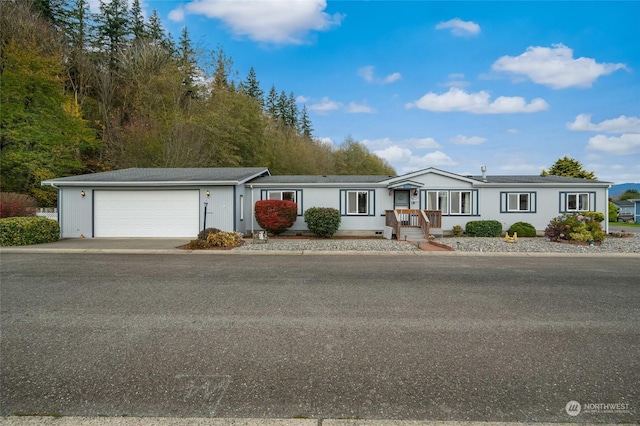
453	85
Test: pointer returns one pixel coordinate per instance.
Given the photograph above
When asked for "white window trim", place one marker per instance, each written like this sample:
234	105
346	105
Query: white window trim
357	213
281	193
578	196
517	207
460	212
438	201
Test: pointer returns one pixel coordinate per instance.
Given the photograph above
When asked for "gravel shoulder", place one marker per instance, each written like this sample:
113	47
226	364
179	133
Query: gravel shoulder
465	244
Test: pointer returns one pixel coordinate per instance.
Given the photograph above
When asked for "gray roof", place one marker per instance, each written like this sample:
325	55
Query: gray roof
534	179
320	179
168	175
623	203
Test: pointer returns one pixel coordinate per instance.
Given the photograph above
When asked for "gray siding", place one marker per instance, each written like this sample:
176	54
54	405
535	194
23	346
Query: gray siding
75	212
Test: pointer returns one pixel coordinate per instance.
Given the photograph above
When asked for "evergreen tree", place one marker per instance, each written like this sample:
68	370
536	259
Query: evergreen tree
138	27
282	107
292	112
251	86
113	28
187	61
222	70
305	127
271	103
568	167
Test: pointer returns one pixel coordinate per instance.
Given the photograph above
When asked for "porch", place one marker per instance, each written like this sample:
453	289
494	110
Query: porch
413	224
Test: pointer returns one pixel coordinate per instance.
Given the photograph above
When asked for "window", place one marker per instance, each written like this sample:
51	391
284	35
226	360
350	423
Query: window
282	195
578	202
437	200
460	202
358	202
517	202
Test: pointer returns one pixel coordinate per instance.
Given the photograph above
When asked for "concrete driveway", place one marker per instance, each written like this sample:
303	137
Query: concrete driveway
106	244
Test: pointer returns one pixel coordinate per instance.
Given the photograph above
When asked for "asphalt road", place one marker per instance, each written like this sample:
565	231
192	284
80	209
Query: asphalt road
373	337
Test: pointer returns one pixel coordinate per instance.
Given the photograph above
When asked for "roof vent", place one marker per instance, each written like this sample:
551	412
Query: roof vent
484	173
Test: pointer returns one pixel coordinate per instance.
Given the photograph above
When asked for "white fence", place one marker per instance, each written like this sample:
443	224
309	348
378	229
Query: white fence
48	212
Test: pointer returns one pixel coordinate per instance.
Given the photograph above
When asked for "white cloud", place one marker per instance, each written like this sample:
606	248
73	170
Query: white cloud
555	67
464	140
360	108
432	159
459	27
367	73
324	106
391	78
177	15
282	21
455	80
477	103
302	99
622	124
618	167
394	154
411	143
513	131
627	144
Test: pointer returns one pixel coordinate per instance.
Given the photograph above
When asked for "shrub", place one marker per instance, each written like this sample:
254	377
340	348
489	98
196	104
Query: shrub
597	216
22	231
17	205
457	231
276	216
483	228
202	235
224	239
613	212
523	229
575	227
198	244
323	222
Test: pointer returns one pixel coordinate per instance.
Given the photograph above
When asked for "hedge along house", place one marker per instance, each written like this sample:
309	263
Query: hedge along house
153	202
170	202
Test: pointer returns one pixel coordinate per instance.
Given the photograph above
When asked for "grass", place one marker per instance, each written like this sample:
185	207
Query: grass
625	225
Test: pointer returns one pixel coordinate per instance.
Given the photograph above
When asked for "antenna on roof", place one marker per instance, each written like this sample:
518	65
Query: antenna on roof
484	173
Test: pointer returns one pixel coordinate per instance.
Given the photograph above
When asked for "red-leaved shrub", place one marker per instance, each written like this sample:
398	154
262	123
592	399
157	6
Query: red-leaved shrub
276	216
17	205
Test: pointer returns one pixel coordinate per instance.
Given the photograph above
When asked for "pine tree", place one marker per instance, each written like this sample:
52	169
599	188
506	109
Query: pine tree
113	28
292	112
251	86
137	21
306	128
271	103
187	60
282	107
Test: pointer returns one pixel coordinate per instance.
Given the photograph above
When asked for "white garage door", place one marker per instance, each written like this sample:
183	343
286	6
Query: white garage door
146	213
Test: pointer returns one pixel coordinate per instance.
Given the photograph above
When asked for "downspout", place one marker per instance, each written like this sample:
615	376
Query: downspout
252	212
606	210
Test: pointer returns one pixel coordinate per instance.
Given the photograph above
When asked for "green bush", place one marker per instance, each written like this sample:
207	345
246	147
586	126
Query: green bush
576	227
613	212
323	222
224	239
456	231
202	235
483	228
23	231
597	216
523	229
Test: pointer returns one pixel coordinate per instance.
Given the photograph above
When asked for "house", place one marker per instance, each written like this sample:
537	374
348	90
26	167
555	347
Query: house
626	209
180	202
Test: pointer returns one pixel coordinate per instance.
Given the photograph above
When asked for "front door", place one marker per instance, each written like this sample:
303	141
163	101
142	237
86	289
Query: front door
401	199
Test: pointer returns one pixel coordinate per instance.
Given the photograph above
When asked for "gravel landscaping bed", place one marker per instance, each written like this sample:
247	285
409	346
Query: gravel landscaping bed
541	245
523	245
330	245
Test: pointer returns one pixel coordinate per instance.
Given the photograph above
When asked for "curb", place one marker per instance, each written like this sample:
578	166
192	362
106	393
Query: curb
165	421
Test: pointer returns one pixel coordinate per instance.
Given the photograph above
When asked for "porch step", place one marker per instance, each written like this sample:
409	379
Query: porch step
411	234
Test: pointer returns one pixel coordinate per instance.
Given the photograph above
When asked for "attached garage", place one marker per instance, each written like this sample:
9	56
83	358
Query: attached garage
146	213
